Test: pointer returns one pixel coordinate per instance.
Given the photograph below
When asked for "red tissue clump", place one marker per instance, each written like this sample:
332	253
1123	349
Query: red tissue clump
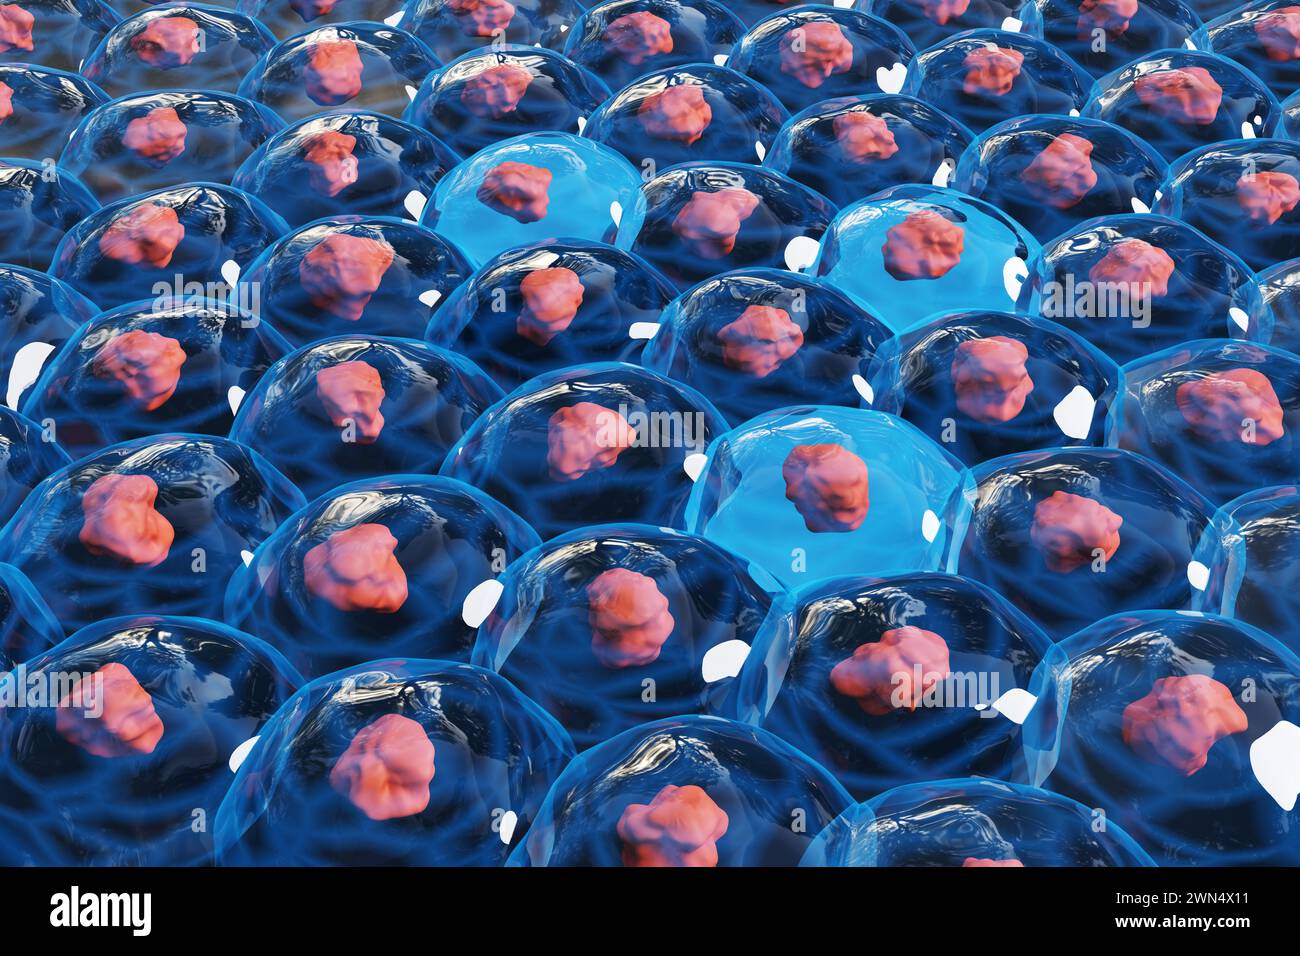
1062	173
585	437
148	364
862	137
629	618
760	340
1266	196
311	9
341	272
351	392
387	768
1069	529
15	28
517	190
941	11
482	18
1178	722
109	714
990	378
333	167
814	52
679	113
6	101
167	42
1112	16
991	70
893	673
681	826
1187	95
120	520
332	75
148	233
638	36
496	91
980	861
828	487
925	245
1235	405
552	298
158	136
710	222
1144	268
1279	33
356	570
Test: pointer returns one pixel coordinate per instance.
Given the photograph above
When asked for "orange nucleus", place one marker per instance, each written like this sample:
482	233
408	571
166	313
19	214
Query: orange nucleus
1236	405
925	245
828	486
387	768
893	673
1072	531
517	190
552	298
629	618
681	826
147	234
990	378
356	570
109	714
341	272
351	393
1181	718
709	223
585	437
147	364
120	521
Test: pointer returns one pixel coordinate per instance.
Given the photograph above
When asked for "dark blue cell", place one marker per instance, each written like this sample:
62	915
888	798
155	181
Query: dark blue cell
38	206
54	33
38	314
40	107
393	763
550	305
380	567
1103	35
126	736
610	626
361	406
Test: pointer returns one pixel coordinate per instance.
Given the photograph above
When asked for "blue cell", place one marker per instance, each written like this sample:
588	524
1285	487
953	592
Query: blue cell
454	27
28	455
534	187
1135	284
703	219
1224	416
1264	37
393	763
1180	728
610	626
185	242
150	367
851	147
983	77
362	406
816	52
896	679
383	566
912	251
38	206
138	144
1103	35
490	95
986	384
621	40
1179	100
755	340
287	18
1072	535
346	163
38	313
684	792
553	304
54	33
1253	574
590	444
124	740
27	626
157	524
352	275
811	492
927	22
1242	194
178	45
1279	287
40	108
1050	173
971	823
688	113
363	66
